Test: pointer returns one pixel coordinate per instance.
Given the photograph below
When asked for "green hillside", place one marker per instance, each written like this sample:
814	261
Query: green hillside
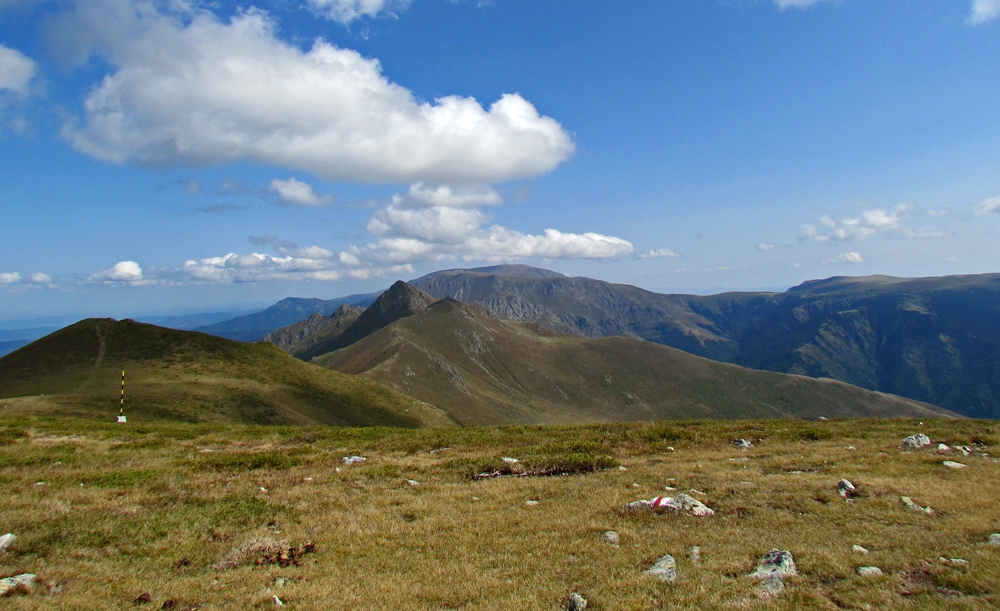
189	376
486	371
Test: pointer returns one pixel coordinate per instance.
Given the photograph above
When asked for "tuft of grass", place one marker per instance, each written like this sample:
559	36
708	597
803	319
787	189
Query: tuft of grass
247	461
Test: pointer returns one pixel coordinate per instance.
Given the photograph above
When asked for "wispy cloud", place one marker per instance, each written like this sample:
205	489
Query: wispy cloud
868	224
659	253
297	193
346	11
983	11
16	70
847	257
988	206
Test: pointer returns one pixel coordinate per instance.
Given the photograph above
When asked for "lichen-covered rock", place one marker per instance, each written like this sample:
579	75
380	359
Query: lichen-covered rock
6	540
869	571
682	502
915	442
775	563
857	549
909	504
576	602
18	583
665	569
994	539
611	537
951	464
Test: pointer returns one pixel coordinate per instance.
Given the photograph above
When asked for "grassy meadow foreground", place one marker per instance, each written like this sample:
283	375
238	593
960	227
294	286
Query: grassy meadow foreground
104	513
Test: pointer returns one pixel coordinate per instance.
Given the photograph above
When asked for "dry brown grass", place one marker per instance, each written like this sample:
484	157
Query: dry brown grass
158	513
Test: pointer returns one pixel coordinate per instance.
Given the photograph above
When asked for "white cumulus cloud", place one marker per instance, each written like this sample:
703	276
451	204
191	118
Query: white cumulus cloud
16	70
346	11
9	277
40	278
868	224
297	193
983	11
847	257
659	253
989	206
190	89
123	271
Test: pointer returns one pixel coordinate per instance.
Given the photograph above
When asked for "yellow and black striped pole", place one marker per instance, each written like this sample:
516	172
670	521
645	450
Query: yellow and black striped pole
121	409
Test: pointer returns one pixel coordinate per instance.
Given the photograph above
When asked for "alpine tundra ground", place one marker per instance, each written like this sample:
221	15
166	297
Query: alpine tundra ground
167	515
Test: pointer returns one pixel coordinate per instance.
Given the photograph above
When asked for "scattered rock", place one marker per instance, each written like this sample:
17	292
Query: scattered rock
353	460
909	504
439	450
742	444
531	502
665	569
282	582
822	418
994	539
621	468
277	601
412	482
611	537
857	549
775	563
576	602
143	598
846	489
18	584
951	464
869	571
6	540
964	450
682	502
915	442
509	460
944	447
953	561
696	555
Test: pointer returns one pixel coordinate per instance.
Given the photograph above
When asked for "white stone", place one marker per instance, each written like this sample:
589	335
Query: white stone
412	482
6	540
869	571
509	460
944	448
611	537
743	444
695	555
353	460
915	442
25	580
859	550
951	464
994	539
665	569
846	489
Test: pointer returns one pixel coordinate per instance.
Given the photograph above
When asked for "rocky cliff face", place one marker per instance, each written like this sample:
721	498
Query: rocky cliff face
302	336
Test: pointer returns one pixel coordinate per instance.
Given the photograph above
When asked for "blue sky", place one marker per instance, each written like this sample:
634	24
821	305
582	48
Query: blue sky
158	157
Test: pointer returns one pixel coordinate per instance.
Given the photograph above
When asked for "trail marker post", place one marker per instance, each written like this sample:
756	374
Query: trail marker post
121	409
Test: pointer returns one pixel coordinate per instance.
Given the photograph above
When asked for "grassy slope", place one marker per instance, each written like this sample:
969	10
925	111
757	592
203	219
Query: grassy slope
154	495
485	371
191	376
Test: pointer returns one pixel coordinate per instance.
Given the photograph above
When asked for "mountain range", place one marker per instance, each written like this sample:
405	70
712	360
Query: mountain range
935	340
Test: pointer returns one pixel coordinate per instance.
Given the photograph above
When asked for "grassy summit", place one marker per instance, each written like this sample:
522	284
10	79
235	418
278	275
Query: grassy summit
183	375
487	371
